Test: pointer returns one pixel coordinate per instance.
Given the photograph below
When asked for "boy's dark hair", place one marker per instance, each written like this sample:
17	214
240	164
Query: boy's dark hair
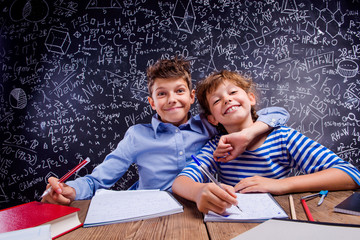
211	83
169	68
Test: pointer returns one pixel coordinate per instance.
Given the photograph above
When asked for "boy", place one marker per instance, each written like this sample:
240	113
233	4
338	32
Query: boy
160	149
228	99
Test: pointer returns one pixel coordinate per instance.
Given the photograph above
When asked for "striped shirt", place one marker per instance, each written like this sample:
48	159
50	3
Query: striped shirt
285	151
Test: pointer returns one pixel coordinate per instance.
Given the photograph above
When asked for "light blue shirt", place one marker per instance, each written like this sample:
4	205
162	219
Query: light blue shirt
160	151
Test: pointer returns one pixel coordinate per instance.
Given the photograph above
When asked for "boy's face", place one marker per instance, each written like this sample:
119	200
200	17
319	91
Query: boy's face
230	105
172	99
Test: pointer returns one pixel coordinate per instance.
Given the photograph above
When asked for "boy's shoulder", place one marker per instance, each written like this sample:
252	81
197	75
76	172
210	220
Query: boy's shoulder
139	128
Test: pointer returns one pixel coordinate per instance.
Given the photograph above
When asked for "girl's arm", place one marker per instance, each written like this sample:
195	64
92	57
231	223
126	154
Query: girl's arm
323	169
329	179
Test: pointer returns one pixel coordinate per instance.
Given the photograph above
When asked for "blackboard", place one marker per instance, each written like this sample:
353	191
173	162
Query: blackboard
73	73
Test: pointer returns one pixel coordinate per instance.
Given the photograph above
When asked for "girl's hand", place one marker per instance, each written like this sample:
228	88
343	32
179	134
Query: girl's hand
261	184
212	198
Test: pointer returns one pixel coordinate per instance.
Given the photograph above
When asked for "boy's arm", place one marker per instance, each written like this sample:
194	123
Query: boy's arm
232	145
208	196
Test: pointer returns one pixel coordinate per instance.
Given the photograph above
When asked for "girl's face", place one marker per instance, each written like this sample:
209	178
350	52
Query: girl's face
230	105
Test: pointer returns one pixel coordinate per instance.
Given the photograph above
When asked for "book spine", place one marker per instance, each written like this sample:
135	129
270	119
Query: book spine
346	211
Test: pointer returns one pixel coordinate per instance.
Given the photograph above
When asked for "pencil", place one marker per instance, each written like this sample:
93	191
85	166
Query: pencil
66	176
292	207
307	210
211	177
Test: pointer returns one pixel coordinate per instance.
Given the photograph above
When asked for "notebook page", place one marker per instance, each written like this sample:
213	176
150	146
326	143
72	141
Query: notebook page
120	206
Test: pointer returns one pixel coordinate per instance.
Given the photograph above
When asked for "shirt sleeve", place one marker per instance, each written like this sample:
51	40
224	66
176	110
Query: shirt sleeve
309	156
273	116
108	172
205	156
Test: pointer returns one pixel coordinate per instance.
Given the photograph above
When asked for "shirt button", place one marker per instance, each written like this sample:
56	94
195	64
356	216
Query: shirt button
177	130
181	153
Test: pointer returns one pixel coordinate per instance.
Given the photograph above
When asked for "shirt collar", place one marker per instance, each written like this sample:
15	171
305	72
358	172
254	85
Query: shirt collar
194	123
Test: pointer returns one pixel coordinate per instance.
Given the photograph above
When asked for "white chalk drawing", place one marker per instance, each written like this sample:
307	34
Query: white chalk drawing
58	41
103	4
18	98
289	6
32	11
184	15
259	41
3	197
330	21
118	83
312	124
347	68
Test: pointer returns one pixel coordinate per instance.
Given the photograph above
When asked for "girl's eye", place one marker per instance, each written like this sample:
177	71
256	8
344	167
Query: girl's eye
233	92
160	94
216	101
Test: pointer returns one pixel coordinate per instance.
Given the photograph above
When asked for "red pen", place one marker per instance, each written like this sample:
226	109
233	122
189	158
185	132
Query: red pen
66	176
307	210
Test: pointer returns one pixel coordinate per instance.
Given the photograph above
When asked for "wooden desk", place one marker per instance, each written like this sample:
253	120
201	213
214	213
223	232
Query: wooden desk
190	224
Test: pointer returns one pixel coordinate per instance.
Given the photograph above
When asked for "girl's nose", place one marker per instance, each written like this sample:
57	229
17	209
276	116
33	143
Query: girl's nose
227	101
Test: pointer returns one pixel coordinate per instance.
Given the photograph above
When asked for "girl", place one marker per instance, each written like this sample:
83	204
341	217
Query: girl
228	100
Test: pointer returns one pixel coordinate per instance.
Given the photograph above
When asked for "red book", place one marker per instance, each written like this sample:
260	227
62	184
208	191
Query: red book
62	219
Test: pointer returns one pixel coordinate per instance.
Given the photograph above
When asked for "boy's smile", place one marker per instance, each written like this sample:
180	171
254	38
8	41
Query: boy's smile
230	105
172	99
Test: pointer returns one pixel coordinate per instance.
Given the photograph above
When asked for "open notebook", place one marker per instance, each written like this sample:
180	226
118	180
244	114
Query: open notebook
256	207
108	206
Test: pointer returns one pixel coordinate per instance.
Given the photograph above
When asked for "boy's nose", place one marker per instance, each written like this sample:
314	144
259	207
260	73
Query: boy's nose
171	98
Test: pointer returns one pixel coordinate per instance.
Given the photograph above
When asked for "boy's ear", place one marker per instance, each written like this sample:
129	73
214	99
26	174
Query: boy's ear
192	96
151	102
212	120
252	98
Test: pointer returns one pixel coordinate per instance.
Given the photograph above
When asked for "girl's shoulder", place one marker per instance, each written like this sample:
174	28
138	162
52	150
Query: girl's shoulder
283	132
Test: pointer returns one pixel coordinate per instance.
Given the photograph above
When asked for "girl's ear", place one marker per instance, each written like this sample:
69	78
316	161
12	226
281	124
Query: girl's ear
252	98
212	120
151	102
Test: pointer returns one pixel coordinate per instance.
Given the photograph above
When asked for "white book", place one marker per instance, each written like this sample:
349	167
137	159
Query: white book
107	206
300	230
255	207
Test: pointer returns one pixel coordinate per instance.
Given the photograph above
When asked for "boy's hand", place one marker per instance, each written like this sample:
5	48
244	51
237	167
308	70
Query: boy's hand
261	184
232	145
213	198
60	193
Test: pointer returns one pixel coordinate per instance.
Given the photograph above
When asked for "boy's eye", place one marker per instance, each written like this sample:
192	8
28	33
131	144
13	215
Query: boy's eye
233	92
160	94
216	101
181	90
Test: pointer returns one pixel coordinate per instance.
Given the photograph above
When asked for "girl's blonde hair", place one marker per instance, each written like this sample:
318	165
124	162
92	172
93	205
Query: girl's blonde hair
211	83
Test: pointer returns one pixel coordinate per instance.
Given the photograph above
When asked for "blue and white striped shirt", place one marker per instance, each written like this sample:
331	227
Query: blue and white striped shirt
284	151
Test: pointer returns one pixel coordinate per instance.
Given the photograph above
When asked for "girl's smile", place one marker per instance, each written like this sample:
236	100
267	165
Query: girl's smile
230	106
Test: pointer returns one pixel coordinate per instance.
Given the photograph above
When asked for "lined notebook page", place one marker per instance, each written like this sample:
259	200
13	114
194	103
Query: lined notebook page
109	206
256	207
